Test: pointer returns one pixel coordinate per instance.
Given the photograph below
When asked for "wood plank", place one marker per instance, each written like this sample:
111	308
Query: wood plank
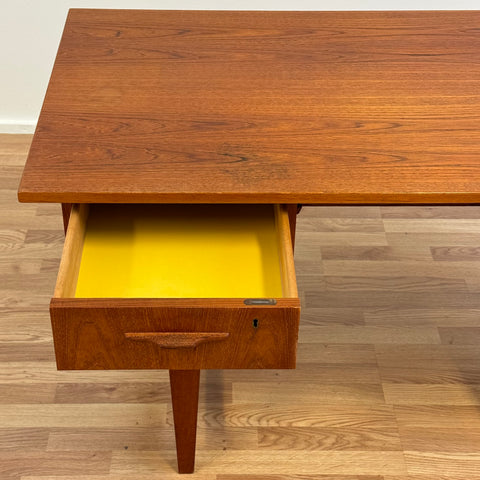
20	464
126	391
392	299
365	334
441	317
429	364
298	477
275	415
23	439
460	335
460	440
94	415
15	393
385	283
473	284
273	462
432	225
17	144
431	394
401	268
342	211
437	476
34	251
16	352
329	316
432	239
325	354
35	372
123	392
24	327
456	254
429	211
147	438
150	476
313	240
45	237
315	372
421	463
314	439
342	224
438	416
353	394
382	253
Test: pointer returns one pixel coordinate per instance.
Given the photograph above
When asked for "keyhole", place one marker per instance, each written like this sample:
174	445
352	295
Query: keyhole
255	323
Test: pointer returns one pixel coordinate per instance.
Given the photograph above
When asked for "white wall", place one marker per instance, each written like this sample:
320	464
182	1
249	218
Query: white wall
30	31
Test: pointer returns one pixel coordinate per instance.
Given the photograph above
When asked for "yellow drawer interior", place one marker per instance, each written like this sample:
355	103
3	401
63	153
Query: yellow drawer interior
180	251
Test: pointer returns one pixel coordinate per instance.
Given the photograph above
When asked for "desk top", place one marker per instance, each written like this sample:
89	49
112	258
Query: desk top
264	107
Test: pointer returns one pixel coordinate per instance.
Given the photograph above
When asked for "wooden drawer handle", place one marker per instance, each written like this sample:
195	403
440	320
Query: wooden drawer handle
177	340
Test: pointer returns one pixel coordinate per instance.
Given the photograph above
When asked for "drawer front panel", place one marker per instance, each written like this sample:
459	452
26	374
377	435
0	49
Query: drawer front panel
98	334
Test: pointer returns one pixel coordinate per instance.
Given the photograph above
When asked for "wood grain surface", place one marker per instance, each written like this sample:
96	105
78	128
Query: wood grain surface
274	107
387	379
177	339
185	386
91	334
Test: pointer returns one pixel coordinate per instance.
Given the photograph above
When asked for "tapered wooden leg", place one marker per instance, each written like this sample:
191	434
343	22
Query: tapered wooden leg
292	210
184	385
66	209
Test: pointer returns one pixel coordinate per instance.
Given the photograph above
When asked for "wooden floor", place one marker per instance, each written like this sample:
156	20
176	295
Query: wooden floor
388	379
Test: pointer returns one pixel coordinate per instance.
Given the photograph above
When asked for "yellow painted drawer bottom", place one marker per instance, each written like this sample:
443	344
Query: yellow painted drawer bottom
194	251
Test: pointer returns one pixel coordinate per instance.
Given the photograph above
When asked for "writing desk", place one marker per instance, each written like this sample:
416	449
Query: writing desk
287	108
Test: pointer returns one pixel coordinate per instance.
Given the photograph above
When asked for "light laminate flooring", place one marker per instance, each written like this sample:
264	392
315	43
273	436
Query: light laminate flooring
388	379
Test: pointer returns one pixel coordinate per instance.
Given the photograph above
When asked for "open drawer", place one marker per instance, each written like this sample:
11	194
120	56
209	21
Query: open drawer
177	287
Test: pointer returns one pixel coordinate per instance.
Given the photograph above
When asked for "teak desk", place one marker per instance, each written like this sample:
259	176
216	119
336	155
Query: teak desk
275	108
